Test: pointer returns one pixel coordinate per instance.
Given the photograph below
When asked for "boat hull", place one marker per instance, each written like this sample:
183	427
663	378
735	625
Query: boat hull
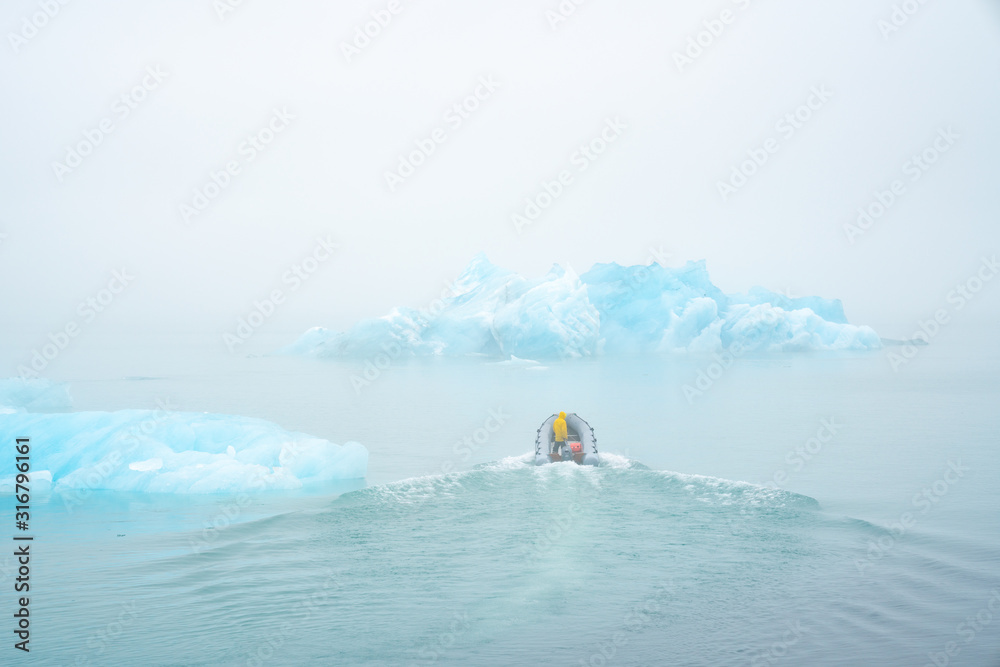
591	459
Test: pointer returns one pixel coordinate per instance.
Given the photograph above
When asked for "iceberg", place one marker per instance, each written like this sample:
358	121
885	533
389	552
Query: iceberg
160	451
610	309
33	395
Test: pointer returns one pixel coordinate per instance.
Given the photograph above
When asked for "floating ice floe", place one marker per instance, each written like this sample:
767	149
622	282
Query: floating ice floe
33	395
173	452
610	309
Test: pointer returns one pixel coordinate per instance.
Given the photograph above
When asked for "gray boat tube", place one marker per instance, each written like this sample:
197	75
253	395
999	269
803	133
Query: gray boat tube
578	431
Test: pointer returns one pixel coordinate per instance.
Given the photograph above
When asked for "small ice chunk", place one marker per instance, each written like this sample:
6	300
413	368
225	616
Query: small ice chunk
147	465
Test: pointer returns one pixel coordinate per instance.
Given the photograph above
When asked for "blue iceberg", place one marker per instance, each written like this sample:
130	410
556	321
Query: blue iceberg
33	395
162	451
610	309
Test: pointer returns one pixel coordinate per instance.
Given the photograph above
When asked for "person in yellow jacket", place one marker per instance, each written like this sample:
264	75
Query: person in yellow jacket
559	430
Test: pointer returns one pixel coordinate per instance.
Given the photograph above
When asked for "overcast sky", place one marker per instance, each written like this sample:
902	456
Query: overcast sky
198	82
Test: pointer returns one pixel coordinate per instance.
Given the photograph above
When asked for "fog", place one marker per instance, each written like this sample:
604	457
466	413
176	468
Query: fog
148	190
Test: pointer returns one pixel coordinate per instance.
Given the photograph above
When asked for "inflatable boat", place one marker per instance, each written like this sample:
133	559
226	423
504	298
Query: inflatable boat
580	446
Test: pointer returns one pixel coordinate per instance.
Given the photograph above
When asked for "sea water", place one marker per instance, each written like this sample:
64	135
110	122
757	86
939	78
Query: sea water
820	509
